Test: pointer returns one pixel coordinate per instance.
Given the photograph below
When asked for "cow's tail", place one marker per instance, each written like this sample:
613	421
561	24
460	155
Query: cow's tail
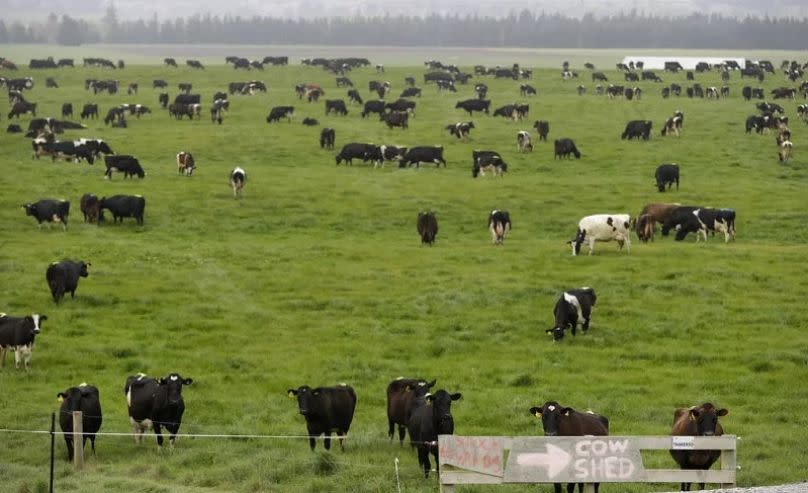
56	282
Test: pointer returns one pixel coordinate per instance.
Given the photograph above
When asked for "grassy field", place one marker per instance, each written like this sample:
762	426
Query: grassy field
316	276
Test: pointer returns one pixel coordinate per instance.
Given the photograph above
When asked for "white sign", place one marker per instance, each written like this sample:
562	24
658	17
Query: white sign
683	443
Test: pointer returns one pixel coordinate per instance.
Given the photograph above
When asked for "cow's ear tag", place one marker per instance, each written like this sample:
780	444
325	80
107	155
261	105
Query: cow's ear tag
60	399
291	395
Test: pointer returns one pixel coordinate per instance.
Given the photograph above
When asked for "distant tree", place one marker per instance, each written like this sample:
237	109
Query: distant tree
69	32
3	32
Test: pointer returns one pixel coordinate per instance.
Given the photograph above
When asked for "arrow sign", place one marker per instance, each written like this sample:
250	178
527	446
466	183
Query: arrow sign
556	460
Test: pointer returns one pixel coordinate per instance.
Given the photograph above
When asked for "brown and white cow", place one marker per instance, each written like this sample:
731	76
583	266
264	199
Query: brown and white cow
185	163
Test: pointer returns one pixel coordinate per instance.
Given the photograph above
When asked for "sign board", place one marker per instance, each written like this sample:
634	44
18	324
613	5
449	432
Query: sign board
478	454
683	443
573	460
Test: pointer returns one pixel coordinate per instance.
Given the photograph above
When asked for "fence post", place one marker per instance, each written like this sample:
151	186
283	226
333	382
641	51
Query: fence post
728	462
53	449
78	440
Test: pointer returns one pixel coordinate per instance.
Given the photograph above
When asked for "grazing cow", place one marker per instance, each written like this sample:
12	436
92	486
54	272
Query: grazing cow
63	277
132	88
650	215
90	110
128	165
238	177
96	147
542	128
401	395
83	398
327	137
423	154
602	227
564	147
13	128
699	220
21	108
637	129
411	92
67	110
185	163
523	143
335	105
581	89
396	119
508	111
50	83
278	112
410	81
326	409
18	333
674	124
382	153
785	152
481	90
499	224
156	403
373	107
50	210
401	105
427	227
645	227
566	421
311	122
599	76
527	90
194	64
159	84
344	81
667	174
431	416
487	161
472	105
354	150
631	77
354	96
574	307
91	208
185	87
697	421
170	62
122	206
460	129
446	85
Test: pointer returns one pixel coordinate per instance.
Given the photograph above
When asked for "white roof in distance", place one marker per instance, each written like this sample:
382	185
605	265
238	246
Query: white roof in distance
688	62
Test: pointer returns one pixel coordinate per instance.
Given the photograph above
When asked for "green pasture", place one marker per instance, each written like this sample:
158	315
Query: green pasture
317	276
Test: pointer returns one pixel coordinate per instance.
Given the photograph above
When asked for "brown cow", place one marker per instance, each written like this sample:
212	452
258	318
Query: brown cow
91	208
566	421
697	421
185	163
658	213
401	394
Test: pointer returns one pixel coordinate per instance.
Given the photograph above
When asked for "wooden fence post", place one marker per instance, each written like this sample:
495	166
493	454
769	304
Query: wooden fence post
78	440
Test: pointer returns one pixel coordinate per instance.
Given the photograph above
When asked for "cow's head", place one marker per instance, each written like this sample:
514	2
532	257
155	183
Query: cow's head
307	399
30	209
441	402
71	398
576	242
706	418
83	269
551	414
173	384
34	321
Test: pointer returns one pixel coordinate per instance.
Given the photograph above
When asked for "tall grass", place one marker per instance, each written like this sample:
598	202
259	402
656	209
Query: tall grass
316	276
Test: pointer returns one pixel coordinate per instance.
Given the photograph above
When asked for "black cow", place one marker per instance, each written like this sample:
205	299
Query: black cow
13	128
311	122
481	89
335	105
427	226
21	108
423	154
90	110
564	147
122	206
159	84
599	76
373	107
543	128
63	277
194	64
411	92
83	398
460	129
354	150
667	174
67	110
684	220
170	62
401	395
396	119
327	137
471	105
326	409
431	416
188	99
637	129
354	96
128	165
574	307
156	403
96	147
18	333
499	224
557	420
49	210
401	105
278	112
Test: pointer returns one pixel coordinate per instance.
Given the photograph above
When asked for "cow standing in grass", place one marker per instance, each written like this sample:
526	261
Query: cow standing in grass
238	177
63	277
602	227
499	224
427	226
326	409
185	163
85	399
573	308
401	395
431	416
697	421
18	333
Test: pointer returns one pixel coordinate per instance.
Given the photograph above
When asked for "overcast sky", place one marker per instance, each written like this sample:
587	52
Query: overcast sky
317	8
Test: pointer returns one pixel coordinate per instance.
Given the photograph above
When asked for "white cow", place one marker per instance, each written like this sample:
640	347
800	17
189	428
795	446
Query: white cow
602	227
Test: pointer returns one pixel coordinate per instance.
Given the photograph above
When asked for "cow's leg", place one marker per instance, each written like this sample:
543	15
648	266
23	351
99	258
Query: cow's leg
591	245
341	435
327	441
69	444
402	430
3	350
159	433
391	428
556	487
25	352
423	458
173	429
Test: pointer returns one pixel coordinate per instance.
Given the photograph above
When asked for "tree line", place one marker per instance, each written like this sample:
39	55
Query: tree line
525	29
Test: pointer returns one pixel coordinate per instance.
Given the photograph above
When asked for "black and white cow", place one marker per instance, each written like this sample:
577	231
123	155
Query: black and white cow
542	128
63	277
674	124
18	334
49	210
326	409
667	174
327	137
90	110
427	226
95	146
354	150
523	143
411	92
423	154
335	105
499	224
637	129
84	398
278	112
156	403
128	165
382	153
487	161
401	105
564	147
602	227
446	85
185	163
122	206
461	130
472	105
573	308
431	416
238	178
